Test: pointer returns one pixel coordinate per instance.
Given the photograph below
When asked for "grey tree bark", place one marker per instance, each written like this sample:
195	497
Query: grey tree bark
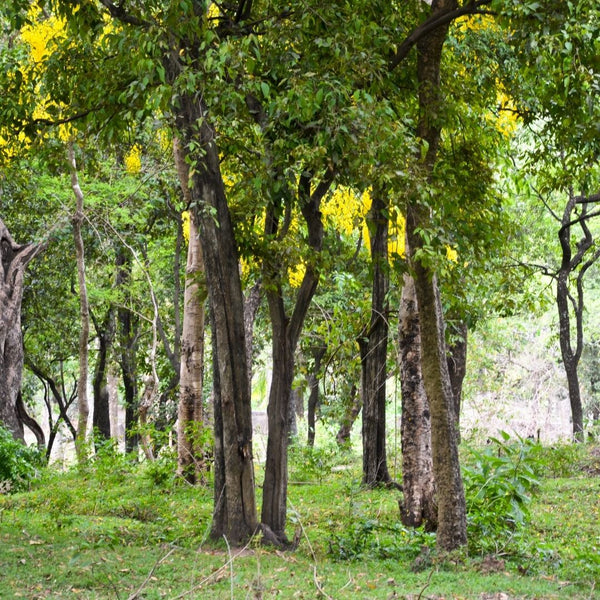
418	505
14	259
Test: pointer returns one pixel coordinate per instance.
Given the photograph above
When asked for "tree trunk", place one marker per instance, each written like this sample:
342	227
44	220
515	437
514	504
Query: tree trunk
318	353
457	367
191	410
234	513
350	415
30	423
418	485
14	259
83	405
452	522
105	334
285	335
373	354
128	349
570	357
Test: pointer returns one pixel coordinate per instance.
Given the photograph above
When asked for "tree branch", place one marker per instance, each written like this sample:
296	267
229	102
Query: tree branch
432	23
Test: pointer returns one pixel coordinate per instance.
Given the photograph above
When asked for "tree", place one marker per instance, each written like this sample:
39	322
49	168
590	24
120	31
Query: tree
84	313
14	259
191	417
452	525
418	505
373	350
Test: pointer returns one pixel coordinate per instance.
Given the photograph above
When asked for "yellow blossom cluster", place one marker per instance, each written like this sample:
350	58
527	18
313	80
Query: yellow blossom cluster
133	160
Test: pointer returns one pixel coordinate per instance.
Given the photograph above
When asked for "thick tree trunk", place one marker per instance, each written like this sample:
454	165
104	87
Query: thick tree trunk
191	419
105	334
452	522
14	259
234	513
274	506
373	354
418	486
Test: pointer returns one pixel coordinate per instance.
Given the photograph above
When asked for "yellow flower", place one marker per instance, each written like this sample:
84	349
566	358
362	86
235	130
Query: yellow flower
133	160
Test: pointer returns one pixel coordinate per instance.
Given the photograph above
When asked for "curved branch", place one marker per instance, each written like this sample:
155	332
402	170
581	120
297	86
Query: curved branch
432	23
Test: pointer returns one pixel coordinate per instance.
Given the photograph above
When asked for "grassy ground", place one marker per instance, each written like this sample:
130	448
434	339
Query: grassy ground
117	531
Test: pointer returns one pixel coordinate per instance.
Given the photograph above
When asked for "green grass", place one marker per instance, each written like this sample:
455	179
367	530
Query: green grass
117	531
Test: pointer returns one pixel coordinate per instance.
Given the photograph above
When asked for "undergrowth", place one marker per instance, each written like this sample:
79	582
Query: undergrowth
117	525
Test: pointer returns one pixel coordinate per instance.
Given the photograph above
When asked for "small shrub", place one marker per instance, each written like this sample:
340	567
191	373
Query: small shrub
371	538
19	464
308	463
499	482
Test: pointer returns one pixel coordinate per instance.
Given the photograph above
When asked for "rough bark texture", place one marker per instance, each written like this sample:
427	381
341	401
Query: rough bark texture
235	507
14	259
350	415
452	523
418	486
373	354
191	409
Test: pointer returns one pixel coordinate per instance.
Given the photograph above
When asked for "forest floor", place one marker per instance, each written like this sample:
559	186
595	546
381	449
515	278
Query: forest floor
121	531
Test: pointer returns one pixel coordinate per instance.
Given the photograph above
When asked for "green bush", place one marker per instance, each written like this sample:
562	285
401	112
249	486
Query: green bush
499	482
308	463
19	464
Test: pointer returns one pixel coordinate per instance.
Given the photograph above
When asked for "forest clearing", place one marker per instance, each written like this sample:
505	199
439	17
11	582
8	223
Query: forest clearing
122	531
299	299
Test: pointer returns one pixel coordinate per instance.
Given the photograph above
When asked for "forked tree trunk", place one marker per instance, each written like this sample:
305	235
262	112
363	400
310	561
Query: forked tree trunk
373	354
285	333
418	506
14	259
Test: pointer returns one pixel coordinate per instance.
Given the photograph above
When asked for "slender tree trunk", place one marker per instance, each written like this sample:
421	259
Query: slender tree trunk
101	418
452	522
350	415
128	349
569	356
84	315
457	367
418	486
30	423
14	259
318	353
373	353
